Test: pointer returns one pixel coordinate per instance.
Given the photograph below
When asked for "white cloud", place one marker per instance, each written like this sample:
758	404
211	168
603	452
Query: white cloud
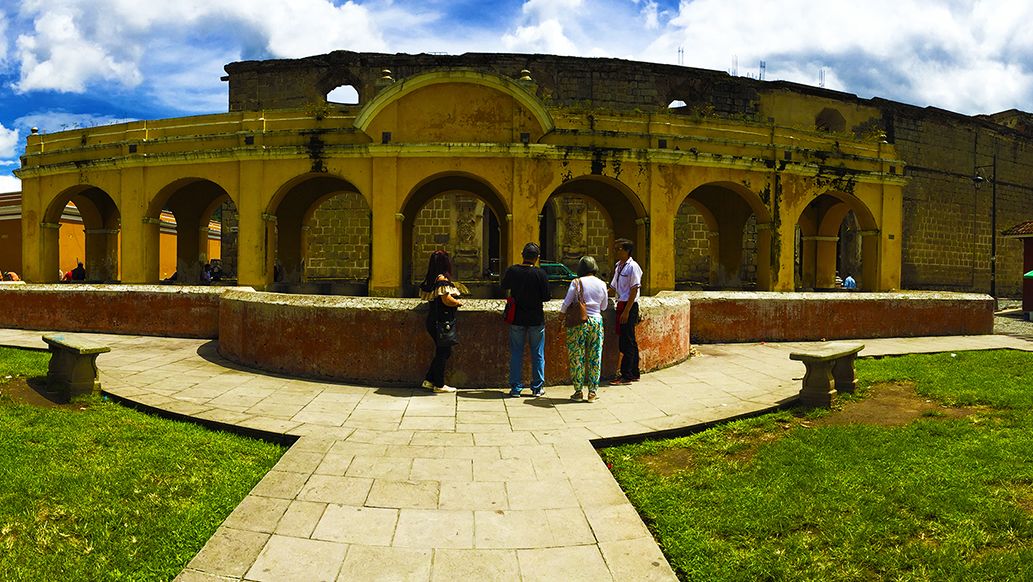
58	57
8	143
651	15
928	52
3	37
9	183
74	43
544	37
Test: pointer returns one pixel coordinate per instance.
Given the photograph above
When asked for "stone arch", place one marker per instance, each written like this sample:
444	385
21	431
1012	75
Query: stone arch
830	120
341	78
343	95
435	186
402	88
739	234
102	224
290	212
822	225
193	202
621	210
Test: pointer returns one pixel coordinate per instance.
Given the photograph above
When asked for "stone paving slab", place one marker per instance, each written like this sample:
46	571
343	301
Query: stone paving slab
402	484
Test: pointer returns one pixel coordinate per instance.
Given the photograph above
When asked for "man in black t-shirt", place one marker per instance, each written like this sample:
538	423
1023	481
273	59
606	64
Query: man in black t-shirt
529	287
79	273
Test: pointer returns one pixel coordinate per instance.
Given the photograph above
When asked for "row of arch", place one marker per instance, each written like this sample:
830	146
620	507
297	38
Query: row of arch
728	213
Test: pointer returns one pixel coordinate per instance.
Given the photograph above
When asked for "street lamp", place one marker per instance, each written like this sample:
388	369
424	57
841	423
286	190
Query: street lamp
979	179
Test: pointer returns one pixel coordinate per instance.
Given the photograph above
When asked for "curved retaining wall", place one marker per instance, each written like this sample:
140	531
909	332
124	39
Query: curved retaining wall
372	340
723	316
164	310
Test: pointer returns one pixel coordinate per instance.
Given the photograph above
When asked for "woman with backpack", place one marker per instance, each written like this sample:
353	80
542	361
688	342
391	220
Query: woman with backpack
442	294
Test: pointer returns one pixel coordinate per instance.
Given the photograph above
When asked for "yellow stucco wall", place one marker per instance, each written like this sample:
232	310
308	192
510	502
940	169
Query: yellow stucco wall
462	131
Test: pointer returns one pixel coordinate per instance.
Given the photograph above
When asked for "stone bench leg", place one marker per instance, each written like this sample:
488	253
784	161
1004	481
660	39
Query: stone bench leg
70	374
817	385
843	373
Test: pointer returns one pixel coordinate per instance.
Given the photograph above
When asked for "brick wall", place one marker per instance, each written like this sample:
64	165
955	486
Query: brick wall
339	239
583	228
692	254
230	227
946	238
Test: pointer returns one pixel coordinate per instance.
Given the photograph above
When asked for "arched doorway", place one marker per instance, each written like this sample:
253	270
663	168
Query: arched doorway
320	238
722	239
837	234
463	215
585	215
186	219
101	224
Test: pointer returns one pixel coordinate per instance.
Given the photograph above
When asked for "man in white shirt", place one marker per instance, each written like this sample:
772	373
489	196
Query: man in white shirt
627	279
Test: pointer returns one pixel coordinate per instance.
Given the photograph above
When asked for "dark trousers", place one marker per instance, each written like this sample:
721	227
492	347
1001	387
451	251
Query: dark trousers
629	346
436	373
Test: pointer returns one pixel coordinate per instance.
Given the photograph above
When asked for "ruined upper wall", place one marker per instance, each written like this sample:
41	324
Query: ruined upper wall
614	84
563	81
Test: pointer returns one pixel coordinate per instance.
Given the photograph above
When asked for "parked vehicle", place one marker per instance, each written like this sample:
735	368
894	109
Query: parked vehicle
558	272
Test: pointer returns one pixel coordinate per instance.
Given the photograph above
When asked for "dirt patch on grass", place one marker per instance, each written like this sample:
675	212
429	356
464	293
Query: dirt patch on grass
1021	495
669	462
30	391
886	404
891	404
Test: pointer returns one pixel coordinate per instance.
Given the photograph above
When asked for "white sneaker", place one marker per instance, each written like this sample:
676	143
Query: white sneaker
445	388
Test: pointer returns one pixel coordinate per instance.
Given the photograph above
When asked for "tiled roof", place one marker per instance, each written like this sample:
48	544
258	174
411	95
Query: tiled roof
1020	230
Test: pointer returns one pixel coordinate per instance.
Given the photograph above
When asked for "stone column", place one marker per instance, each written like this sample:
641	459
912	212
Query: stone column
256	229
764	256
825	261
140	233
49	249
467	250
872	264
570	230
36	255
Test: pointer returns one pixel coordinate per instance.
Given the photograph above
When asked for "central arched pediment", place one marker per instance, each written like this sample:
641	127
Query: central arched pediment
454	107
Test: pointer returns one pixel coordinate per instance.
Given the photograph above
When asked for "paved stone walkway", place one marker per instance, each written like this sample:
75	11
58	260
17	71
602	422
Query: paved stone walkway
402	484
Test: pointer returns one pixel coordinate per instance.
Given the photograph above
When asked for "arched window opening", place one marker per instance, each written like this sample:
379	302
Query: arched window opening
830	120
343	95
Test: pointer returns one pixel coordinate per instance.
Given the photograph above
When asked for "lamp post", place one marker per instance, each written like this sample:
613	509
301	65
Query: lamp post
979	179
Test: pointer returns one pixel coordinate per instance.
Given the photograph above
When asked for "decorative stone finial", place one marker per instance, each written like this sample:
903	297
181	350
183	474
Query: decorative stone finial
385	78
525	76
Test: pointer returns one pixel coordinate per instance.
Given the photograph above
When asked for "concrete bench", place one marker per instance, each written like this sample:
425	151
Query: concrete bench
73	366
831	362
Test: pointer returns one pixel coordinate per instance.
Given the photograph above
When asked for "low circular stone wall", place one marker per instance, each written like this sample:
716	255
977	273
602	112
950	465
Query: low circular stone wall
163	310
370	340
730	316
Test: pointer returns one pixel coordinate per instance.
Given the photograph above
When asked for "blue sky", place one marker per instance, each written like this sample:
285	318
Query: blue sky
79	63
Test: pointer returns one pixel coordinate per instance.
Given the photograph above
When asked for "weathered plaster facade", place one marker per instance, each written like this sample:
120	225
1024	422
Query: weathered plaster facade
586	147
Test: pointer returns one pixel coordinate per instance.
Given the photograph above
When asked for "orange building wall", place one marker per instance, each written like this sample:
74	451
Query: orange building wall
73	244
11	245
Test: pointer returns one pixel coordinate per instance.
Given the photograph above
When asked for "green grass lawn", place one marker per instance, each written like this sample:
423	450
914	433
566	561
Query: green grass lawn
780	498
101	492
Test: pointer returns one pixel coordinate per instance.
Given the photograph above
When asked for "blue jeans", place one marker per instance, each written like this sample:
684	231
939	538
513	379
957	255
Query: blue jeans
518	336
